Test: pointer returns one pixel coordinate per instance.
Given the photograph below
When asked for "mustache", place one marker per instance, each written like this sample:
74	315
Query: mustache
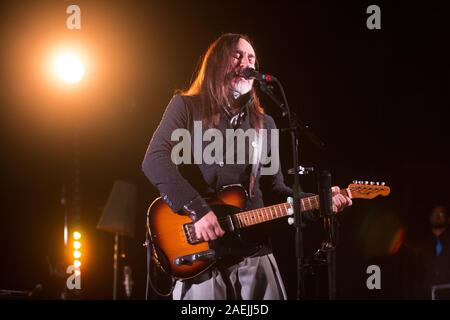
234	73
240	73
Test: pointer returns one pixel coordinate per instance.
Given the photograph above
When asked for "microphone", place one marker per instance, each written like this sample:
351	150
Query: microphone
128	281
250	73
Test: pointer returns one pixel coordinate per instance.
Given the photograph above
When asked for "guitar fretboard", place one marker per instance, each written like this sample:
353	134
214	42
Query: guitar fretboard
256	216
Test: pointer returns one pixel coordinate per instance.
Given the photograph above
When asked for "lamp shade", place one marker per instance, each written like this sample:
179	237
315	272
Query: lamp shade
120	210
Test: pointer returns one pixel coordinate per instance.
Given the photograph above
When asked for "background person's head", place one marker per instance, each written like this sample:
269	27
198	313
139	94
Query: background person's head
439	218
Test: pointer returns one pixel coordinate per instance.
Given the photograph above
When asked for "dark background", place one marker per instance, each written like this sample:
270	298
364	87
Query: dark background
377	98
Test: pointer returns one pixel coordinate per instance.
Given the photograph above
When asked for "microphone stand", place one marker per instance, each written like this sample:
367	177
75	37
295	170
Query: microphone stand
294	127
327	253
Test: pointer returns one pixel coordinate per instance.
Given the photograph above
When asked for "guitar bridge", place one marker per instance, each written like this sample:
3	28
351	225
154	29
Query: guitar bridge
189	232
207	255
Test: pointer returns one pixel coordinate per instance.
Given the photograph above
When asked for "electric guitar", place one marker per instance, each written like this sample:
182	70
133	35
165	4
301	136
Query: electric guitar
177	250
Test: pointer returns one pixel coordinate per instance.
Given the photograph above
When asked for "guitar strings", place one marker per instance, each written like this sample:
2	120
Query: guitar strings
252	215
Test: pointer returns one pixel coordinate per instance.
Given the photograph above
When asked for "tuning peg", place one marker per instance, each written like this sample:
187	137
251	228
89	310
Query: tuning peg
383	183
372	183
355	182
378	183
366	182
291	221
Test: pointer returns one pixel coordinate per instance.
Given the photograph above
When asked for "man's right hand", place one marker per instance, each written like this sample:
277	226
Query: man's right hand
208	228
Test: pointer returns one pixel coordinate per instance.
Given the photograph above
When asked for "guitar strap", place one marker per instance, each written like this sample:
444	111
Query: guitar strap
257	145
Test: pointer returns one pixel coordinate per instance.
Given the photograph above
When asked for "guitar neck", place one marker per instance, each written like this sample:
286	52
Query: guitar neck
261	215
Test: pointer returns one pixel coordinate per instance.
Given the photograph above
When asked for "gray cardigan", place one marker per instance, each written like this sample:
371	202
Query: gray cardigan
183	186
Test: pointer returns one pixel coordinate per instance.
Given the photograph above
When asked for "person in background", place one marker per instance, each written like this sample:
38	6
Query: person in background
432	265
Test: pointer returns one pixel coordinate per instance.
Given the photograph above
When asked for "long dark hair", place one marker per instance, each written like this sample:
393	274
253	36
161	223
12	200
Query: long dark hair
212	83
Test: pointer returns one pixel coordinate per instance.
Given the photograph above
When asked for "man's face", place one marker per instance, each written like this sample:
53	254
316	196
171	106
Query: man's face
243	57
438	218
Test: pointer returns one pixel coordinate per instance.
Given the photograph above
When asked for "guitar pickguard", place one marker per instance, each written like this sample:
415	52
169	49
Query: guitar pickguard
231	244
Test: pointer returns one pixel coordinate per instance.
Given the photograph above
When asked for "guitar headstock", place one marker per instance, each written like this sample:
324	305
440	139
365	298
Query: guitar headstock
368	190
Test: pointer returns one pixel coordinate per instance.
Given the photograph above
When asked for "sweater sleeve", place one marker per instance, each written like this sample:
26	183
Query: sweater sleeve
163	173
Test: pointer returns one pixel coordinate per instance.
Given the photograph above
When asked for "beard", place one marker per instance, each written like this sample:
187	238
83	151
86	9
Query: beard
241	87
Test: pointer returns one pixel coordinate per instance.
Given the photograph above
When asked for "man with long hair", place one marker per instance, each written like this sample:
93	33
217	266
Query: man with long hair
220	98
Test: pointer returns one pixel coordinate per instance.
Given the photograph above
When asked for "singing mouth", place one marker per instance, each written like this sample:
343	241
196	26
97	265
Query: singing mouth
239	76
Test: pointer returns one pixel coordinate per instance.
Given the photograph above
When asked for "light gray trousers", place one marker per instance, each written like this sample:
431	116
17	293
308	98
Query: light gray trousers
254	278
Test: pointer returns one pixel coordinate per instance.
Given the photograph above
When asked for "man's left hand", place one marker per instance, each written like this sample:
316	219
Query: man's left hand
339	201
